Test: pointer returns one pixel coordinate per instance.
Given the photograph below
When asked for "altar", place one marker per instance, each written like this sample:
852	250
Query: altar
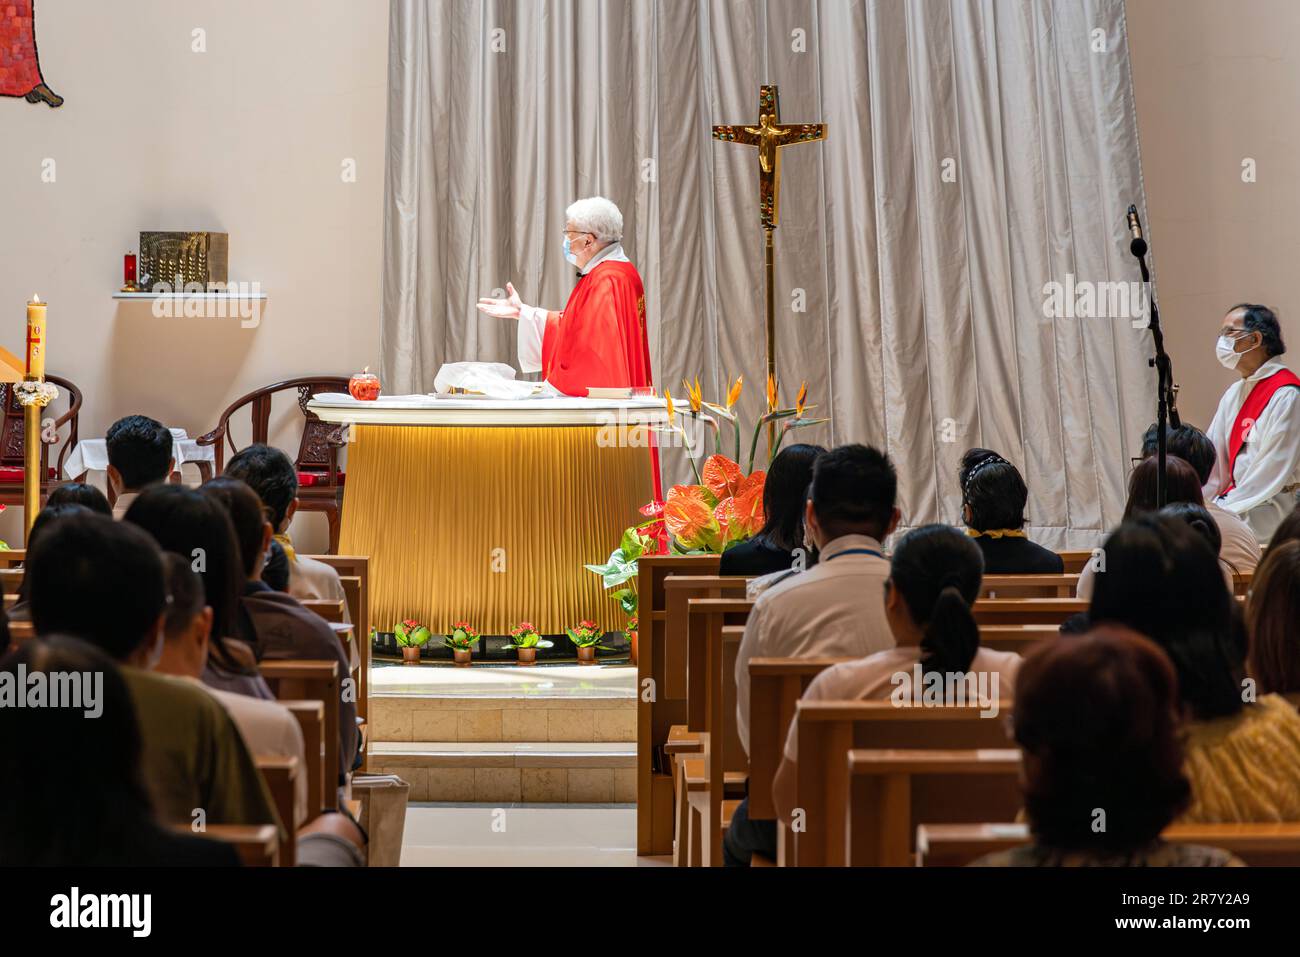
485	510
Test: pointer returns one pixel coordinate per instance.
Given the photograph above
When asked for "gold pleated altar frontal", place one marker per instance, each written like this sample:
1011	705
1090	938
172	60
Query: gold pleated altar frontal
492	524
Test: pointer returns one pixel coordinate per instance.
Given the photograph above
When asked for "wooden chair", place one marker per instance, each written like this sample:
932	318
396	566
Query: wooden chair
828	730
320	482
11	441
890	791
295	680
281	776
258	845
656	712
1258	845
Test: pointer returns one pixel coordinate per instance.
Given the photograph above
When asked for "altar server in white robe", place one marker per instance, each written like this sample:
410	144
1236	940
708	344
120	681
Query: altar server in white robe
1256	430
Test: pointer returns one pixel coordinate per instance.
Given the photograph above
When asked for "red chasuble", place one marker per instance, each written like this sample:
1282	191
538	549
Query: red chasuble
1260	396
599	339
20	73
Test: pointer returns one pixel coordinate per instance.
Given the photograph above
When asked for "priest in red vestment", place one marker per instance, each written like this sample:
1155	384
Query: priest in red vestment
20	67
599	339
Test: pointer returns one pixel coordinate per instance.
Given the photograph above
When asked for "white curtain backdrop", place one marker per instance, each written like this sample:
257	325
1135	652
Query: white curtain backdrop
977	150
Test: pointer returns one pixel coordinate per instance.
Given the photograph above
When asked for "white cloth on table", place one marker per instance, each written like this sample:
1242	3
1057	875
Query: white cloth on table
493	379
91	455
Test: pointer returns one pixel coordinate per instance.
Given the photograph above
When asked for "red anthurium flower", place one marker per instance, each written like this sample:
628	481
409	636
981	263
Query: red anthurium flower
721	476
688	513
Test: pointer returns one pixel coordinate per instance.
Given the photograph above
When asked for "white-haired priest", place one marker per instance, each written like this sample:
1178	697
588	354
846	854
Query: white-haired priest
599	339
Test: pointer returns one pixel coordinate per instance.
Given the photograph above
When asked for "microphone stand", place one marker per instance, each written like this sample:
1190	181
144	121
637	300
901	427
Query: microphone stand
1166	391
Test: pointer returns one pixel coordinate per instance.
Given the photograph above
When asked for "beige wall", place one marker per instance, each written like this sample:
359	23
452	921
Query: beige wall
248	138
1216	82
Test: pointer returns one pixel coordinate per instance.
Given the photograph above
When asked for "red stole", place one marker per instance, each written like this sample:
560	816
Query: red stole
600	338
1260	395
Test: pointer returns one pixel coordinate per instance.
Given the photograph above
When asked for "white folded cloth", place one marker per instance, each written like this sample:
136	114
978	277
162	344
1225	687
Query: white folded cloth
493	379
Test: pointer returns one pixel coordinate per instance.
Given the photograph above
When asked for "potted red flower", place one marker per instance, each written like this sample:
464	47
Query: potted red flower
525	640
586	636
461	641
411	637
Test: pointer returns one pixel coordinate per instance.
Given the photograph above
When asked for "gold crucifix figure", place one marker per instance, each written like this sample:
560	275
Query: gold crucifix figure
770	136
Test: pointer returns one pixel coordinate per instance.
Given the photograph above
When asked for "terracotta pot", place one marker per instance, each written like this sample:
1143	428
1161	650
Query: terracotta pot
463	656
587	655
411	654
632	640
527	656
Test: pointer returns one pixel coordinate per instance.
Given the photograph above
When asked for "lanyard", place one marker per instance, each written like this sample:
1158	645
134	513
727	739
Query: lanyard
854	551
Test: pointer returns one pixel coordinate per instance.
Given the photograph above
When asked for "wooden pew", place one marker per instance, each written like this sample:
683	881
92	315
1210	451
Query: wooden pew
1017	638
678	590
12	557
1026	611
1258	845
310	716
722	762
281	776
258	845
1075	561
316	680
329	609
21	631
656	713
354	575
11	580
890	791
828	730
1028	586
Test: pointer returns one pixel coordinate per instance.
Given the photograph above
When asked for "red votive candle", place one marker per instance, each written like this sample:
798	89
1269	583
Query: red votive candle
129	269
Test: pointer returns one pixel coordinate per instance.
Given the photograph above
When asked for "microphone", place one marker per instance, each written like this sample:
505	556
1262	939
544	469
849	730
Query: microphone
1138	245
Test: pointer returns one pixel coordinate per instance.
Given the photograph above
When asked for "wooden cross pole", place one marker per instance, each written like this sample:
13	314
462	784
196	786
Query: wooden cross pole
770	136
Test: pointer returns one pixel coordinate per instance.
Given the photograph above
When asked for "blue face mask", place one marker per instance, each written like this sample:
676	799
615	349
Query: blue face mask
569	255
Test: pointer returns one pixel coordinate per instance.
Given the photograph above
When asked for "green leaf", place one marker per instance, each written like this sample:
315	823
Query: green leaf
631	546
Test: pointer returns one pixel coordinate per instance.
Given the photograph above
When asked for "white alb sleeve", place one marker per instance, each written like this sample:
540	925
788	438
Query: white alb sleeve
532	326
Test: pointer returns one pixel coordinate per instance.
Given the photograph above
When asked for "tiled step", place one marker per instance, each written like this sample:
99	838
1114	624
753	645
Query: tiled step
511	718
512	771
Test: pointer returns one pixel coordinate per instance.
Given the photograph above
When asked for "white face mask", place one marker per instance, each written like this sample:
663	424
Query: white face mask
569	254
1223	350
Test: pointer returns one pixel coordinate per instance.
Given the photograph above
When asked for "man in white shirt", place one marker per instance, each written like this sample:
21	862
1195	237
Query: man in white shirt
1240	551
1256	431
139	455
835	609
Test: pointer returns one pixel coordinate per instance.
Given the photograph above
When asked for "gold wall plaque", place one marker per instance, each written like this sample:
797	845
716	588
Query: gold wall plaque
182	258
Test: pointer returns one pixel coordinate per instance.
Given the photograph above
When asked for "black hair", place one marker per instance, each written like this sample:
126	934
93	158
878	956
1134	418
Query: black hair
186	590
51	754
271	474
1199	519
785	494
1188	443
1257	318
1183	485
99	580
199	531
938	571
247	517
140	448
994	489
853	491
79	493
1162	579
44	519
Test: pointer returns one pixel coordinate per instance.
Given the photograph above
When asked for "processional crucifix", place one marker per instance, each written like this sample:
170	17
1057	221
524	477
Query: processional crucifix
770	136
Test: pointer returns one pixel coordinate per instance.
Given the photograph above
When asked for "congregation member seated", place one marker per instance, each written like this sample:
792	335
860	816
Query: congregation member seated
993	499
785	496
1184	485
102	581
139	455
1240	550
198	529
1096	717
79	493
75	793
1242	746
274	624
270	473
1273	622
268	728
21	610
835	609
934	578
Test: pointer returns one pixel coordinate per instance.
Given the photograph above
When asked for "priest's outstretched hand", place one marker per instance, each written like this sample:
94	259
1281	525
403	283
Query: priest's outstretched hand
509	308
